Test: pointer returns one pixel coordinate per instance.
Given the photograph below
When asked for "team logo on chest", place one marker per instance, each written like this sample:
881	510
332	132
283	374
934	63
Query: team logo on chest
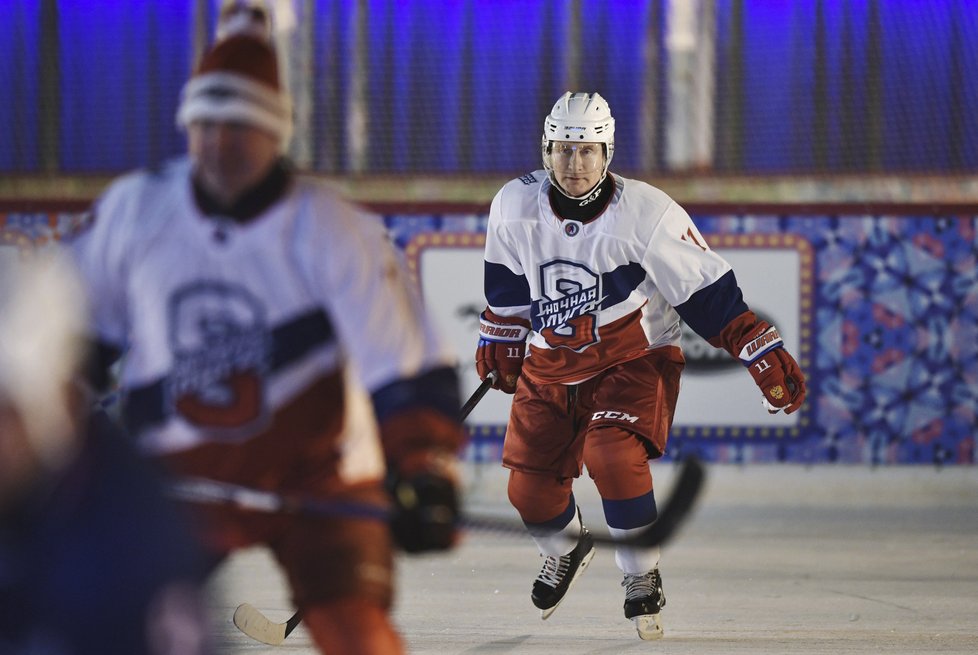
564	315
221	352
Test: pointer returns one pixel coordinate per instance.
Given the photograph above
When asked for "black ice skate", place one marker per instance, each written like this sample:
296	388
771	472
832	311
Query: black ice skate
559	573
643	600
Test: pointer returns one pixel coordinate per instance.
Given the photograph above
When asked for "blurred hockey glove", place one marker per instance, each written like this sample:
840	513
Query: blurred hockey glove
502	347
424	491
759	347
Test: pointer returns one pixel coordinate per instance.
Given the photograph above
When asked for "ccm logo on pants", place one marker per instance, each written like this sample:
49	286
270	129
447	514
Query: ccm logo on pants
614	416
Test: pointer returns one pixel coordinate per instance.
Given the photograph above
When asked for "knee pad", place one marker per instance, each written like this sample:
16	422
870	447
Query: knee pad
538	498
618	462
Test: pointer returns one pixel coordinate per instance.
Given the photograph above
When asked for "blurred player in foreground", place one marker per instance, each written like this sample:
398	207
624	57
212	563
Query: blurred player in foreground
93	558
594	272
261	316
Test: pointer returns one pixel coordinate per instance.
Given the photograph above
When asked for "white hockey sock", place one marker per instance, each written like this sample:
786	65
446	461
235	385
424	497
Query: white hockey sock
561	542
634	561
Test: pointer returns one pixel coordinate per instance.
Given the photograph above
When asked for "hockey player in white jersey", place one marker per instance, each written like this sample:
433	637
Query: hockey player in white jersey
273	340
587	275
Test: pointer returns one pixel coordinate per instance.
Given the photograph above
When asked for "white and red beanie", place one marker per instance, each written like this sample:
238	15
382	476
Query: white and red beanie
244	16
237	80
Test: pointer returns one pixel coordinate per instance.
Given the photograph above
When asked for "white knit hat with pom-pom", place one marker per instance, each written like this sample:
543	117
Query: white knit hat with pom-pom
238	79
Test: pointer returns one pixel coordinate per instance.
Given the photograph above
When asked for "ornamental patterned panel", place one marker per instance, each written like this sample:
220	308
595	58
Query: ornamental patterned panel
890	341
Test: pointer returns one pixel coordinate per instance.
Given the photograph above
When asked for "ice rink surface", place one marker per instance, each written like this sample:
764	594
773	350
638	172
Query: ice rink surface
775	559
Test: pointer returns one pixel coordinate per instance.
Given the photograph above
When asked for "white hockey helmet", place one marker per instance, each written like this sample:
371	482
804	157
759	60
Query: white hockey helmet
583	117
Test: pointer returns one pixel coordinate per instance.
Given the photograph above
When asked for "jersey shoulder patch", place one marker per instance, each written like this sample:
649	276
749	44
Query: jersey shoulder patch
528	179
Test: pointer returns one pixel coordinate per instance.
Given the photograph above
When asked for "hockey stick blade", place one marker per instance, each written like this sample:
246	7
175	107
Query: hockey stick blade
257	626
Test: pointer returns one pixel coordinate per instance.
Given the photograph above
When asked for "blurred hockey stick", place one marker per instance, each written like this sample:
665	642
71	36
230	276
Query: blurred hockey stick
256	625
214	492
673	512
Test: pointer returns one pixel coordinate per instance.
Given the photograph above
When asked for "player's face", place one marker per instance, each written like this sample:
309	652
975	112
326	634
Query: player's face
577	166
230	157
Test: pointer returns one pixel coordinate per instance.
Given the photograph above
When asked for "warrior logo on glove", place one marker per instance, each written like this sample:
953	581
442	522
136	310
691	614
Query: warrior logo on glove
502	347
759	346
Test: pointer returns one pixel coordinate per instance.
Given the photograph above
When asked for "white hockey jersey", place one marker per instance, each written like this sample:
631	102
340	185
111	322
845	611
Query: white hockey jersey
597	293
227	326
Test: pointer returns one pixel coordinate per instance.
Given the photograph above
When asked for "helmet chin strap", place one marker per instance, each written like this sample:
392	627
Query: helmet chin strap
591	194
587	197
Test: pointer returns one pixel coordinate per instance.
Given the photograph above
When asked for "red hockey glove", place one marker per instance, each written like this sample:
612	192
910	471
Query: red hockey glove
759	347
502	346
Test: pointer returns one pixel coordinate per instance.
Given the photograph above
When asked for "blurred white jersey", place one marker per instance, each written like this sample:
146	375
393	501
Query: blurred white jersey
597	293
229	327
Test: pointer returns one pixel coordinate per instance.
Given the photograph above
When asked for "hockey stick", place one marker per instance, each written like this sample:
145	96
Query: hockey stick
201	490
674	512
257	626
476	396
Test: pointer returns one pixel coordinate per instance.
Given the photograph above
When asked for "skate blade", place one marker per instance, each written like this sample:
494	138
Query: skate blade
648	626
545	614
